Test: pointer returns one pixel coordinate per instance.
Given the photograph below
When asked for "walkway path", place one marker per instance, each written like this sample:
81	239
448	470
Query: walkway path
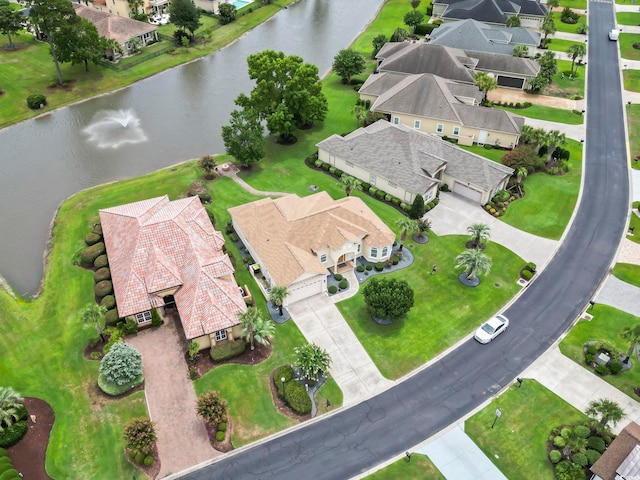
182	438
321	323
454	214
232	173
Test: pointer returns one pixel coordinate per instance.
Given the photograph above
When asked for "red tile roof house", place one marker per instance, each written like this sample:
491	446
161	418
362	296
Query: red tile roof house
621	459
162	251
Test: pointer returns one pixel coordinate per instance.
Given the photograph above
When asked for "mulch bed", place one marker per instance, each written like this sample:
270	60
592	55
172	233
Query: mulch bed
151	471
249	357
28	455
286	411
224	446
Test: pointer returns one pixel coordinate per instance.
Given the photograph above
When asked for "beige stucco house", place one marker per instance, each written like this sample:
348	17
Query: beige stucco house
432	104
121	8
298	241
166	254
405	162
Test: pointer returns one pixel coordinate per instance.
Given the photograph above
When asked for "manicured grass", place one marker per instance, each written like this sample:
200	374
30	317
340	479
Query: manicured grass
567	27
633	125
420	467
547	113
560	44
494	154
577	4
565	86
631	80
626	42
34	57
444	310
517	443
606	325
634	222
628	18
627	272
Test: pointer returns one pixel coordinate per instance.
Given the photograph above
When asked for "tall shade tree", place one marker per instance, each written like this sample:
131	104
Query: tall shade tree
255	328
577	51
479	233
631	335
93	314
377	43
548	66
553	140
474	263
388	299
48	16
227	13
350	184
11	22
312	360
521	51
10	406
207	164
277	296
606	412
412	19
406	225
512	21
348	63
79	42
532	136
244	137
184	15
485	83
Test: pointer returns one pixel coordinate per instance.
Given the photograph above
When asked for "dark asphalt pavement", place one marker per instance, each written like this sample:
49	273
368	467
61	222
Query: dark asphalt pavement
354	440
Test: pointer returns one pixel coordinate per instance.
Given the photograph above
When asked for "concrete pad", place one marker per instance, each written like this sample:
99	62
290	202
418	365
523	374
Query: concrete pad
620	295
575	132
458	458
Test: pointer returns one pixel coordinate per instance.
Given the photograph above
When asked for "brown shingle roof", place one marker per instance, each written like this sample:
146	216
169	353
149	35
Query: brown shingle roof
155	245
111	26
286	232
619	450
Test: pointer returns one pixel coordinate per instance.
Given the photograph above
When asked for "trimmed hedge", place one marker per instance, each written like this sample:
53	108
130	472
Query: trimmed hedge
220	436
285	371
89	254
36	101
344	284
555	456
379	266
92	239
583	431
111	318
222	427
332	289
108	302
338	276
103	288
115	390
12	435
297	397
360	268
596	443
97	228
102	274
148	461
526	275
580	459
227	350
101	261
592	456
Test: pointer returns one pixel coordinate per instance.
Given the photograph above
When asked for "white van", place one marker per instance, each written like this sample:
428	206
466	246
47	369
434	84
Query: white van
614	34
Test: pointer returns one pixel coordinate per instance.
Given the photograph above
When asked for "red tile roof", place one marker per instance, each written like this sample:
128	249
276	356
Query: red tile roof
155	245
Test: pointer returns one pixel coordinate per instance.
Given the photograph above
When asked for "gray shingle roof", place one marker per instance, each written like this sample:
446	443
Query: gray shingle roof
409	157
491	11
479	37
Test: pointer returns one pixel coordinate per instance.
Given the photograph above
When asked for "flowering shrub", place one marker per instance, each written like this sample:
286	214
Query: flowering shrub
212	408
140	434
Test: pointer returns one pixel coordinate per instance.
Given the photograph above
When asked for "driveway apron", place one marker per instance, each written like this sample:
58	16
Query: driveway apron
182	438
321	323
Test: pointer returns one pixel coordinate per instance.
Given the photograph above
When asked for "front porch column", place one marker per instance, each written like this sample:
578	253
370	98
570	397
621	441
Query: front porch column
230	334
212	336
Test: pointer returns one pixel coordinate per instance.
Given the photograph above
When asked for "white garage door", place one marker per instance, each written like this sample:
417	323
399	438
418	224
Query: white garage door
467	192
304	289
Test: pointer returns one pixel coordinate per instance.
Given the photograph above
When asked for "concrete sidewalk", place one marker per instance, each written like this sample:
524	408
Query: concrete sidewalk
455	213
620	295
576	132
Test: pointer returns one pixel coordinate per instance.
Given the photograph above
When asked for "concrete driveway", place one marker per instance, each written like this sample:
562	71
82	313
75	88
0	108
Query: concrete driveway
455	213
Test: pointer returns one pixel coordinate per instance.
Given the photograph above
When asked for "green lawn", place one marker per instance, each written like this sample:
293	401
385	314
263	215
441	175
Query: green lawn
633	125
547	113
606	325
419	468
567	86
634	221
631	80
626	42
566	27
628	18
577	4
560	44
517	443
494	154
444	311
627	272
34	57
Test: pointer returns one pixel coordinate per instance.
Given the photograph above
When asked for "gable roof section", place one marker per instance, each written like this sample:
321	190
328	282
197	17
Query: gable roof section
410	158
491	11
622	454
286	232
155	245
472	35
111	26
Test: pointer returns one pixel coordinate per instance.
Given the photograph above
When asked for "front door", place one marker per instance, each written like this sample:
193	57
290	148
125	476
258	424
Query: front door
482	137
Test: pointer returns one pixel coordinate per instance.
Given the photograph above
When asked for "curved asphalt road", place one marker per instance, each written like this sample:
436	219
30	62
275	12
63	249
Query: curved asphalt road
354	440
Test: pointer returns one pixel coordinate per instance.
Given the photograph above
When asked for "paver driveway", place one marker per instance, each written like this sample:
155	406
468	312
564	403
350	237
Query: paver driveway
182	438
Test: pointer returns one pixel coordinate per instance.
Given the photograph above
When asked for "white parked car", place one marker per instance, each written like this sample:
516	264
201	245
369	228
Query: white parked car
614	34
491	328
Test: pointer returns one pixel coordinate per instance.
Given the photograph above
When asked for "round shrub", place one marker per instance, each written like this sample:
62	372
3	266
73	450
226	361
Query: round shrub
222	427
36	101
298	398
596	443
344	284
100	261
108	302
337	276
11	436
602	370
92	239
555	456
616	367
583	431
102	274
588	358
89	254
395	259
332	289
148	461
360	268
115	390
526	275
103	288
139	458
559	442
379	266
369	267
592	456
580	459
220	436
565	432
97	228
111	318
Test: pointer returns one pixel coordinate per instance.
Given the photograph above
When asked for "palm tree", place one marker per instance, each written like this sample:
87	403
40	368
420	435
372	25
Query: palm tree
406	225
552	140
532	136
512	21
10	406
423	226
350	184
575	443
548	27
485	83
277	296
607	410
576	51
521	51
474	263
255	327
520	174
632	335
478	233
94	313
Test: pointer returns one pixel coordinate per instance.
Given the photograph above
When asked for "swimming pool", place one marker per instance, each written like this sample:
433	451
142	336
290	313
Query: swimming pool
240	3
